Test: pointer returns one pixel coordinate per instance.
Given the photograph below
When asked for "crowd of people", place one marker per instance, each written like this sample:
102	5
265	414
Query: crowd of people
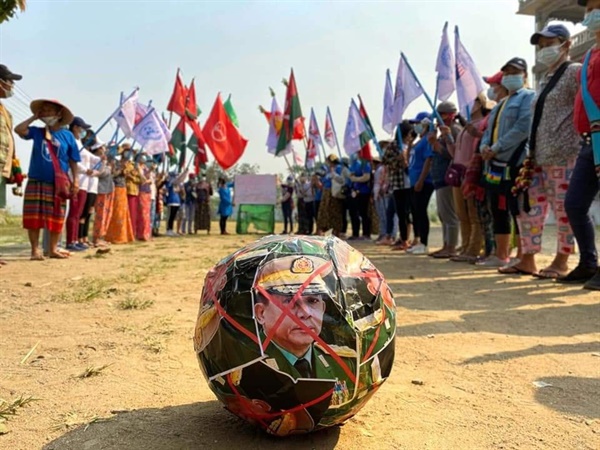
73	177
495	175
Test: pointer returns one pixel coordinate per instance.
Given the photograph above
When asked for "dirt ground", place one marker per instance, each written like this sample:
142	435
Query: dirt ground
471	347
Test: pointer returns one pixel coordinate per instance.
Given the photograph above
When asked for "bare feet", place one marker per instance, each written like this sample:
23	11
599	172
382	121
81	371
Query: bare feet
37	256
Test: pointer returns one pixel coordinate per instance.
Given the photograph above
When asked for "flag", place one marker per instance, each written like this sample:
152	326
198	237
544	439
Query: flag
191	107
275	119
366	136
469	83
125	114
313	130
408	89
197	145
178	141
388	104
330	137
291	113
140	112
446	81
177	103
222	136
355	126
231	112
152	134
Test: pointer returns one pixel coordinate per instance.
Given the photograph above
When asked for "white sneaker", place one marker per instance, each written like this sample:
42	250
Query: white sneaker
492	261
170	233
418	249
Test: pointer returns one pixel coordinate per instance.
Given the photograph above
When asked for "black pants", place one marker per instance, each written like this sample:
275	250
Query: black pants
223	224
317	204
359	213
173	209
345	209
420	203
501	214
309	215
302	226
86	214
402	203
286	209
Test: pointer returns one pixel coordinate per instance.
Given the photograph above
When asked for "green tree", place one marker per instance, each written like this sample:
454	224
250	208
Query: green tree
8	9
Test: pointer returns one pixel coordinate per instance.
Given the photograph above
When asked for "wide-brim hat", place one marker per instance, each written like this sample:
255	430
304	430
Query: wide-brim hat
123	147
67	115
333	158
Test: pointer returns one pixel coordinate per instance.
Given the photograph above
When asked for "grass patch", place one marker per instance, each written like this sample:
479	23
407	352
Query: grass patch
154	344
161	325
92	371
135	277
8	408
11	230
134	303
85	291
72	420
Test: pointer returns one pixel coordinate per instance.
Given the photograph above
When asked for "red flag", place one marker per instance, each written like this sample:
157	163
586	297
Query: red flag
365	151
222	136
178	97
299	128
191	108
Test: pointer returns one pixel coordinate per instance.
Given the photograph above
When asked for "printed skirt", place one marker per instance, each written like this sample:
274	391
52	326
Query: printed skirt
41	208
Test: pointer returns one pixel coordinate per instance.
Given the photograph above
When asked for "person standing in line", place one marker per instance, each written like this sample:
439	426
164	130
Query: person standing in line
7	140
189	203
120	228
53	146
360	196
308	194
204	192
585	180
143	229
225	204
287	204
104	200
174	188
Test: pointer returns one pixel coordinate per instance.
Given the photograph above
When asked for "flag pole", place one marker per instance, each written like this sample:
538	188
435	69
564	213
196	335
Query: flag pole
119	107
371	132
337	143
403	56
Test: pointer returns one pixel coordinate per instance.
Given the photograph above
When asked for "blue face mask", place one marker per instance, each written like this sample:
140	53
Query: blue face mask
513	82
419	128
592	20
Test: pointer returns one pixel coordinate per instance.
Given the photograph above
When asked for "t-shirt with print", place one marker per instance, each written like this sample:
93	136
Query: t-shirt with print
418	155
40	164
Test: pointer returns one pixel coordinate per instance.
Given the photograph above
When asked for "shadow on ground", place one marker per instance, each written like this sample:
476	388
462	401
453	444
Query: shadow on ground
193	426
571	395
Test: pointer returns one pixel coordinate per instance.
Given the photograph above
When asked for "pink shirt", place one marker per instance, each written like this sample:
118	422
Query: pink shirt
466	144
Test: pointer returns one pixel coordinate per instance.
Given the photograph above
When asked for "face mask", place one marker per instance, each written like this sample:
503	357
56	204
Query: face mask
419	128
50	120
513	82
592	20
8	90
549	55
82	135
491	93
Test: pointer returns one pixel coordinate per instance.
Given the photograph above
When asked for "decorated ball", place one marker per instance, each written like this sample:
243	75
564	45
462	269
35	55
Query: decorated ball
295	334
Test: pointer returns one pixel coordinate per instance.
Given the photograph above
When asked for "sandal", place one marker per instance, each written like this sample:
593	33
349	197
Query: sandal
514	270
549	274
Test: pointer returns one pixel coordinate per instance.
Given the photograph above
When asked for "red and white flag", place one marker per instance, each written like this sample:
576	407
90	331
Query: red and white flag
329	133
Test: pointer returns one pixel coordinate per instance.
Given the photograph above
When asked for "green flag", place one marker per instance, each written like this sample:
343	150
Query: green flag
292	112
231	112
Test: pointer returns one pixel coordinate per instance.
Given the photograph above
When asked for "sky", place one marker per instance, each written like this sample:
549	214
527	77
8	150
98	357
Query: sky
85	52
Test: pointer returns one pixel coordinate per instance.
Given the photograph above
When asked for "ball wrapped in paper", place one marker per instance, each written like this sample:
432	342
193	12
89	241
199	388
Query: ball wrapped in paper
295	334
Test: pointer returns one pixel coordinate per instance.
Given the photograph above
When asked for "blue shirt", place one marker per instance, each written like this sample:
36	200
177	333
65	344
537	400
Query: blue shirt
40	164
514	124
358	169
173	197
419	154
225	203
189	189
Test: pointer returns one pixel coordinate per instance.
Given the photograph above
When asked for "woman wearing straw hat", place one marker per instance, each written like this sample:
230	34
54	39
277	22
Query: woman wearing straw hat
42	208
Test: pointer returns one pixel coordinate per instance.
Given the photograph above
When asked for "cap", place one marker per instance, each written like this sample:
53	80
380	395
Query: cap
517	63
494	79
98	144
286	275
289	179
333	158
551	31
447	108
67	115
79	122
420	117
6	74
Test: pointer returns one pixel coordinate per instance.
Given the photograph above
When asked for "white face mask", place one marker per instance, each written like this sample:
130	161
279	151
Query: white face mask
50	120
549	55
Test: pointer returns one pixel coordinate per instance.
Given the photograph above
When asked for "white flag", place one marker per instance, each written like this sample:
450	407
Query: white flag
469	83
275	122
125	114
408	89
388	104
152	133
446	78
355	126
329	133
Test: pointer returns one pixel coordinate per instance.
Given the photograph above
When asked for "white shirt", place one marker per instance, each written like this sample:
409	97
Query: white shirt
88	161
